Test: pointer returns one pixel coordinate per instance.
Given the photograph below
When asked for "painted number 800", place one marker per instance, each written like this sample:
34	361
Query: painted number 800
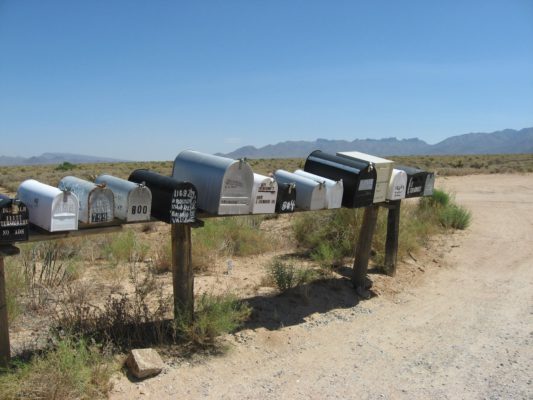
139	210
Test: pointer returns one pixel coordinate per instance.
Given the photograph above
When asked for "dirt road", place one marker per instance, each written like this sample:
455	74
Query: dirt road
464	329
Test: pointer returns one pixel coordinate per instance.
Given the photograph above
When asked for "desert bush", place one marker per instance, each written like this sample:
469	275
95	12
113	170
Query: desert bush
65	166
286	276
73	370
454	216
214	316
125	247
15	289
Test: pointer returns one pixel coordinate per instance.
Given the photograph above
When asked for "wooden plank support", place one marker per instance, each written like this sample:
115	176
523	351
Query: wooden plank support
182	272
393	233
5	347
362	252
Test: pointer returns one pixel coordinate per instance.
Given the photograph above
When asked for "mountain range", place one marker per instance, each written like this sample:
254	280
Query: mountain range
500	142
54	158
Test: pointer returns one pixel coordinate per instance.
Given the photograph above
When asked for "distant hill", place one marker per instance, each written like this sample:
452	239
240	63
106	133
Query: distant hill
506	141
54	158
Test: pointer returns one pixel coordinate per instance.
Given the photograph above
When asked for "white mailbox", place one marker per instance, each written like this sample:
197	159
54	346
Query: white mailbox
264	194
310	195
397	185
133	201
224	185
49	208
430	184
383	169
334	189
96	201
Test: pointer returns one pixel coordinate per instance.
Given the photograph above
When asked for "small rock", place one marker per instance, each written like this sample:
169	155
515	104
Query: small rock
143	363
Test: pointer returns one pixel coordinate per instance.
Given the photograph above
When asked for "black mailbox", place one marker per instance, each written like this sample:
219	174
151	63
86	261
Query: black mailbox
416	180
286	199
173	201
358	177
14	220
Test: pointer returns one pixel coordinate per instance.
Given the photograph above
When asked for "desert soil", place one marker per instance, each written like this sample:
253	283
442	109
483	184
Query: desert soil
456	322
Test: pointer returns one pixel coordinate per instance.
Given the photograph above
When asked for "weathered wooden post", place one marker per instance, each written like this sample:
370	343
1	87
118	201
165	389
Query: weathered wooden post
5	347
393	232
362	252
182	272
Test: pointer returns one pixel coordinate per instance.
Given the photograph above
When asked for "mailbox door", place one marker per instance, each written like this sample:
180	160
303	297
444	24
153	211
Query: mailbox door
264	195
184	203
397	185
415	185
429	185
139	204
64	213
100	205
236	191
14	220
286	199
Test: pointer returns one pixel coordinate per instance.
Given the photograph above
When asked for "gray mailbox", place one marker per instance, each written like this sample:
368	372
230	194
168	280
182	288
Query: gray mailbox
224	185
49	208
310	195
133	201
334	189
96	201
14	220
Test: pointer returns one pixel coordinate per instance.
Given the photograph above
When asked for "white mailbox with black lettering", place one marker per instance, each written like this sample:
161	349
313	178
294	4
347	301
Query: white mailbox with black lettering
310	195
383	169
133	201
97	204
429	185
334	189
224	185
264	194
49	208
397	185
14	220
173	202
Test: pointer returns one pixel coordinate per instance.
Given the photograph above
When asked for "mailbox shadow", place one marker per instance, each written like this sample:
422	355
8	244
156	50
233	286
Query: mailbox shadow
293	306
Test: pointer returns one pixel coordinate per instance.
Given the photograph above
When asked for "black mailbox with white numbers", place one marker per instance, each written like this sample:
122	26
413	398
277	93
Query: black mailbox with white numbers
286	199
416	180
358	177
173	201
14	220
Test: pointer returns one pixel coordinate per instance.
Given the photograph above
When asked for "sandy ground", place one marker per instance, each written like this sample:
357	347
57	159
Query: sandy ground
462	327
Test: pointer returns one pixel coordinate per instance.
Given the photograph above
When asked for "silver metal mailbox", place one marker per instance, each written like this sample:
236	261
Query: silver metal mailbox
133	201
49	208
334	189
383	169
14	220
96	201
310	195
264	194
430	184
397	185
224	185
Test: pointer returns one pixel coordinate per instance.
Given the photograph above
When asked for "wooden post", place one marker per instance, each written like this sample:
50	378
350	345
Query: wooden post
5	347
393	232
182	273
362	252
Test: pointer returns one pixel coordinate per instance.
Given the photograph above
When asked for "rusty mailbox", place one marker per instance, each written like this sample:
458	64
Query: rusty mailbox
416	179
49	208
173	201
383	169
397	185
286	200
97	203
264	194
334	189
310	195
358	177
224	185
133	201
14	220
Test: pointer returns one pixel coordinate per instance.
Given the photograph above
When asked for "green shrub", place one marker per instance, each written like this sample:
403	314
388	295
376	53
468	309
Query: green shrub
65	166
214	316
285	276
73	370
455	217
125	247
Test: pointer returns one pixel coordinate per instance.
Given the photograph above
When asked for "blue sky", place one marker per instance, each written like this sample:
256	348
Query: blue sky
143	80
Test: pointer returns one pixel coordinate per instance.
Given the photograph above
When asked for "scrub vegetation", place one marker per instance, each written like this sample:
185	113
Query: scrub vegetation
102	295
